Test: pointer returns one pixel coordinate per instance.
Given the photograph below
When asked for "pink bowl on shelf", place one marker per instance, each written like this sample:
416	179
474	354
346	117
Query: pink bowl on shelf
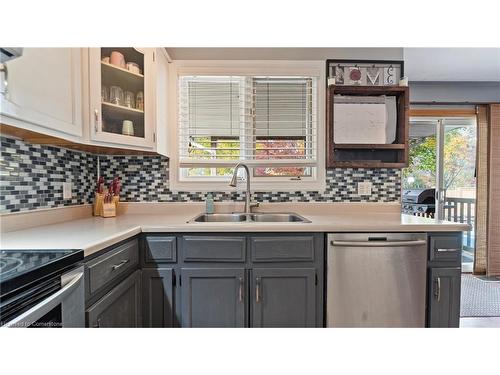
117	59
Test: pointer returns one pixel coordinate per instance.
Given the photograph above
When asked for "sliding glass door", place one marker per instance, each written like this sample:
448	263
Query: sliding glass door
458	184
443	157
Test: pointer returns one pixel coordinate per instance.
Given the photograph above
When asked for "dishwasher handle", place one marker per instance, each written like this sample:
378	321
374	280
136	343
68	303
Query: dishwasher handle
378	243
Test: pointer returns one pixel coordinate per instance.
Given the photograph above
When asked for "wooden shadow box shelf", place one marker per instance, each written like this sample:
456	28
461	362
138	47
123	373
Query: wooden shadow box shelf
363	155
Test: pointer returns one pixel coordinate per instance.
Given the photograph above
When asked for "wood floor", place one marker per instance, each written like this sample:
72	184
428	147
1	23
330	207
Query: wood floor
490	322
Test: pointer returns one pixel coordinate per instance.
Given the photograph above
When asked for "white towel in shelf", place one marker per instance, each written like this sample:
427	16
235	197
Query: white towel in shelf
364	119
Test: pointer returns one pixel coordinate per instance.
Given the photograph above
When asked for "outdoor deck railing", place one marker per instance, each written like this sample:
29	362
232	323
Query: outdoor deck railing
461	210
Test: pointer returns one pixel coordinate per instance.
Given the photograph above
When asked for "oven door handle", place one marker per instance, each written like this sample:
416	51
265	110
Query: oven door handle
36	312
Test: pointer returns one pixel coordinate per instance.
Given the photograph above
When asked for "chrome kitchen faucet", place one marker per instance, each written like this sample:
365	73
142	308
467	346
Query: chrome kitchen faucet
234	181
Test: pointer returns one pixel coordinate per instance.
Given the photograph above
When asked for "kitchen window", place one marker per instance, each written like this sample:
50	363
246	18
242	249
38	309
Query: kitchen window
270	122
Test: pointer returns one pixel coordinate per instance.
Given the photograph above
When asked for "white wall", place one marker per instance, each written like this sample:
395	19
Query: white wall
285	53
455	92
452	64
446	75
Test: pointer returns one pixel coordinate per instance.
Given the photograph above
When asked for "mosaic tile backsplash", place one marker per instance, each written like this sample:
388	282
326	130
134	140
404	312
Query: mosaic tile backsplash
32	177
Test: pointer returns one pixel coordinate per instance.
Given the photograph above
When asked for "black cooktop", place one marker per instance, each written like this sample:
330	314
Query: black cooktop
19	268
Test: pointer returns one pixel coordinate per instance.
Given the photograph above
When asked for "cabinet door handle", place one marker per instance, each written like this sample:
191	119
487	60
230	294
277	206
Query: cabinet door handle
121	264
240	290
447	250
437	293
96	120
5	71
257	290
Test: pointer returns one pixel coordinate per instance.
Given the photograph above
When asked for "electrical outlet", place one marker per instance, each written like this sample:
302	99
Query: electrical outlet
67	190
365	188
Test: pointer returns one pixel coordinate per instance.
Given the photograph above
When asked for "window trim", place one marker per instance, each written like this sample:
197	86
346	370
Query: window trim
246	67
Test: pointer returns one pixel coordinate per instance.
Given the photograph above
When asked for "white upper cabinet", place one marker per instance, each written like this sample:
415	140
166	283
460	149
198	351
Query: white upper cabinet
110	97
44	92
122	97
161	101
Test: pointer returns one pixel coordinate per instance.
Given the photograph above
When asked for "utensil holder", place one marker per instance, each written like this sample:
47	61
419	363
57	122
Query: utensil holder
98	202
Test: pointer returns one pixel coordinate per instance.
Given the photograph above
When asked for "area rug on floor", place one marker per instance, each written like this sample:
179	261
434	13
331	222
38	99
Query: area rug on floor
479	297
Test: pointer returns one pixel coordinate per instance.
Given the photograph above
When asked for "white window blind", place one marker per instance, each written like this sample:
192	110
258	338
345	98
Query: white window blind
264	121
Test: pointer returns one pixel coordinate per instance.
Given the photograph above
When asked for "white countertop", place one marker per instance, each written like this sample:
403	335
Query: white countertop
95	233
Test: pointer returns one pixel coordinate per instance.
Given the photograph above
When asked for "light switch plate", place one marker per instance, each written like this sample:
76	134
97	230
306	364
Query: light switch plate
67	190
365	188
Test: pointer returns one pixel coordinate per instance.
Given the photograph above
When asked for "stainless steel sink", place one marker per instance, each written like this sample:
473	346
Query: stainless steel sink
261	217
278	218
219	218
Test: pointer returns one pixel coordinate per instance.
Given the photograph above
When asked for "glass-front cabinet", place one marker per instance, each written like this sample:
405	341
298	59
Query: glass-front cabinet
122	96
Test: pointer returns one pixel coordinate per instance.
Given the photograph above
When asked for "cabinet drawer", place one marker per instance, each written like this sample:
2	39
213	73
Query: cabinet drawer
111	265
282	249
445	248
213	249
160	249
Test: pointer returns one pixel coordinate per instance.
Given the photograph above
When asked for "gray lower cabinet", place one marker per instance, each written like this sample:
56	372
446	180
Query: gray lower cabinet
444	297
157	297
283	297
120	307
208	280
444	279
213	297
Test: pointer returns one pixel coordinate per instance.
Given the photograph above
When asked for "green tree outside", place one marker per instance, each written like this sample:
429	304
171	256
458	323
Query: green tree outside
459	160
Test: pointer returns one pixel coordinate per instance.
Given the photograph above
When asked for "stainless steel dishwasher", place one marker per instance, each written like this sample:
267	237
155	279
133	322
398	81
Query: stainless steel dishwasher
376	279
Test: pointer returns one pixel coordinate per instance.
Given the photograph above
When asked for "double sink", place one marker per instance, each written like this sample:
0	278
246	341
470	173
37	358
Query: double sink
249	218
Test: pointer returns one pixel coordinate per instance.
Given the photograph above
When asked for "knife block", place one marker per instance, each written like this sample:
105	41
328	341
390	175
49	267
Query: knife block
98	203
109	209
105	209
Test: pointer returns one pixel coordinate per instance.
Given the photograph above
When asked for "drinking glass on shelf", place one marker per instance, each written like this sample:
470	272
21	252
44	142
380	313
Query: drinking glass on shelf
139	101
127	127
104	94
116	95
129	99
133	67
